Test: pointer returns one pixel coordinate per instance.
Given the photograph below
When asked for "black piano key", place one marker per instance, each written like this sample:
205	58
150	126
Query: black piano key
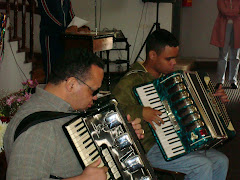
165	118
169	133
161	107
154	99
174	141
89	145
176	148
86	140
93	159
172	138
155	102
167	127
80	128
92	152
169	130
151	93
82	133
78	124
149	90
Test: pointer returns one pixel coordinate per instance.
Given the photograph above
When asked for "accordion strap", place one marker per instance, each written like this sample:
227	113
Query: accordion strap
39	117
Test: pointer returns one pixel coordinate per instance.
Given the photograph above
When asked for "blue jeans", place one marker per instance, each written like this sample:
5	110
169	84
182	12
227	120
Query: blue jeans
233	57
198	165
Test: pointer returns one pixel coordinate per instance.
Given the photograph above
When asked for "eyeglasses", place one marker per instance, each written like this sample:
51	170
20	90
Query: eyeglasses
95	92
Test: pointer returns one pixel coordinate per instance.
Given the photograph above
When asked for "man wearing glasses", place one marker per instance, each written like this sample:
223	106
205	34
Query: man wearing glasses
43	151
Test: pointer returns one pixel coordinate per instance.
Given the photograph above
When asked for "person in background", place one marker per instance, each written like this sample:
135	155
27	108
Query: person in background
162	49
56	15
226	36
43	150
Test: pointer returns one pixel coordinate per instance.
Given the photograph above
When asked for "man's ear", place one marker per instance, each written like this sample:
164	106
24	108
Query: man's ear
152	55
70	84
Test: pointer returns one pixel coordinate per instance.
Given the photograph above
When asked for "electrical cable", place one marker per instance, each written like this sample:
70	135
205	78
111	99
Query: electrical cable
19	68
100	13
137	32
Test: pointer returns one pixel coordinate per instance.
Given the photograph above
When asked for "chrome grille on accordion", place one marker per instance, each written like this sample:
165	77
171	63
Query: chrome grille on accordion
104	132
194	117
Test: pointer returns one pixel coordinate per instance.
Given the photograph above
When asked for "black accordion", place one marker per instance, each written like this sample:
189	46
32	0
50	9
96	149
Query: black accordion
194	118
103	132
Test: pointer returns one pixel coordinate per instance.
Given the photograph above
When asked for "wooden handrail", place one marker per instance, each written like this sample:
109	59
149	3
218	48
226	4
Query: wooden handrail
15	36
32	11
16	6
24	13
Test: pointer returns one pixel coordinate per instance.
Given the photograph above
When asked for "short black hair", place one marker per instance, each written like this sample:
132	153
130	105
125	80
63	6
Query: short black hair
159	39
75	62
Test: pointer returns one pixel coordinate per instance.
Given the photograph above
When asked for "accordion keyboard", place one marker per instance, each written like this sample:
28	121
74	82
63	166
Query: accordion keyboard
87	149
166	133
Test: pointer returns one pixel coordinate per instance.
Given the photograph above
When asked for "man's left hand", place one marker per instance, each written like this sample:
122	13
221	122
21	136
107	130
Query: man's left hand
222	95
136	124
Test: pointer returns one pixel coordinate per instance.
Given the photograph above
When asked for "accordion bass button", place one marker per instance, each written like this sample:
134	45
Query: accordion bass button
179	96
186	111
172	81
177	88
190	118
113	120
194	125
133	163
123	141
183	103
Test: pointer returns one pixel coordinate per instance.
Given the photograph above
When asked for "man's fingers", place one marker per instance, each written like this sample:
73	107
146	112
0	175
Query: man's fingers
136	121
105	169
139	131
96	163
157	121
129	118
137	126
152	125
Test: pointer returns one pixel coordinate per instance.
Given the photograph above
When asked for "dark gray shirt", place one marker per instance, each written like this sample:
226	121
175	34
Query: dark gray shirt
42	150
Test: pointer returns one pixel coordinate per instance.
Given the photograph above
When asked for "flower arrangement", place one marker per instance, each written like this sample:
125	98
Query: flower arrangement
11	103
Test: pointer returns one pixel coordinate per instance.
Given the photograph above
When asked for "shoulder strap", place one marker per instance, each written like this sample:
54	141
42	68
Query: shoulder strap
38	117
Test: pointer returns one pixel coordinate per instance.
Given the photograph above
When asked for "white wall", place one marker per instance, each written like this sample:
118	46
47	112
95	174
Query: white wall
196	28
125	15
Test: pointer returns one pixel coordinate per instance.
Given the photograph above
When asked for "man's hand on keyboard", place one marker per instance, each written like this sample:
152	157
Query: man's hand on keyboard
151	115
222	95
93	172
136	124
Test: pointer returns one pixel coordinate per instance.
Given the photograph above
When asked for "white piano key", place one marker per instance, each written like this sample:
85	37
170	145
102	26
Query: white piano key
108	158
78	133
114	169
108	176
111	164
117	175
72	125
105	152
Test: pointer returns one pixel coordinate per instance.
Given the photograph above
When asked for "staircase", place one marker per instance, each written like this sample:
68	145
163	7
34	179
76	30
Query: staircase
19	61
13	69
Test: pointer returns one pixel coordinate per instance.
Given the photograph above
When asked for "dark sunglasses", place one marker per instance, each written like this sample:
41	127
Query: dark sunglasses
95	92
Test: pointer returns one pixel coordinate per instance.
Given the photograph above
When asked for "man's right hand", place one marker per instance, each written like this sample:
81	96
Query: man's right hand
151	115
93	172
